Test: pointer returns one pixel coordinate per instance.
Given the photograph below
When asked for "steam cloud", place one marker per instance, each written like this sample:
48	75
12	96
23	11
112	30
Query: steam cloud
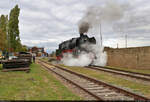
111	11
84	59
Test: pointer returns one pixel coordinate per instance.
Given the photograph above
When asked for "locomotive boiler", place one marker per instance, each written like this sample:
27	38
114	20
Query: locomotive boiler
74	46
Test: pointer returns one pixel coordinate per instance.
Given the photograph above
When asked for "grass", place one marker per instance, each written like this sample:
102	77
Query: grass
135	86
36	85
45	58
145	71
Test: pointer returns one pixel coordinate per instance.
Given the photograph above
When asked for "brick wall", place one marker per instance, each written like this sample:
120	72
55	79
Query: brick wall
136	57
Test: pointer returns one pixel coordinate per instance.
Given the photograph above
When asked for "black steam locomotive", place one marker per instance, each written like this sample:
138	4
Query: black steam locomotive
74	46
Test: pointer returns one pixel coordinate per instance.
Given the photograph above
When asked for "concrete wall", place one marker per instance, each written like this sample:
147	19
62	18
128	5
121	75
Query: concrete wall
137	57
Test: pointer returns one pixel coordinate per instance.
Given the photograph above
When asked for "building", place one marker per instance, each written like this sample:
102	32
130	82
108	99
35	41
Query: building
38	51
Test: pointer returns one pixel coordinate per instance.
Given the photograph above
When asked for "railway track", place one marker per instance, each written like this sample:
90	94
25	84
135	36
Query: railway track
145	77
98	89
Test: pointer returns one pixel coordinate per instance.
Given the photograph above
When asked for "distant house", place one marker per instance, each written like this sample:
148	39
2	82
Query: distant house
38	51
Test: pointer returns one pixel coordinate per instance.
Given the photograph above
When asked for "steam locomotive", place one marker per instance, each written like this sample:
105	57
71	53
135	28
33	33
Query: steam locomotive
74	46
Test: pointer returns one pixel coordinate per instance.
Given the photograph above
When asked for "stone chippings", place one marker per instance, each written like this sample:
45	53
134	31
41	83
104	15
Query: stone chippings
103	92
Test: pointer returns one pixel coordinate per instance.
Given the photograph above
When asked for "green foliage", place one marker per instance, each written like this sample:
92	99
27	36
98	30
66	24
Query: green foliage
13	31
52	54
1	40
24	48
3	32
9	31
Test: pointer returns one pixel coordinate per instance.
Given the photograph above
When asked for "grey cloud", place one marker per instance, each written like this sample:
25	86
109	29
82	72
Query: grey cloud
42	20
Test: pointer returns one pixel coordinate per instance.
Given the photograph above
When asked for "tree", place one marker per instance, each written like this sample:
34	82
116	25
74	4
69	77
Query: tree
3	32
1	40
24	48
13	30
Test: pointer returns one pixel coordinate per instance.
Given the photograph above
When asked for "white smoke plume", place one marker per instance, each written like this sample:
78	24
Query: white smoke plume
110	12
101	55
95	56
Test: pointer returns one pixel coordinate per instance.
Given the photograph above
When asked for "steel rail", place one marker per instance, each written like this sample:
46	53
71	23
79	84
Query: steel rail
117	89
92	94
121	70
129	74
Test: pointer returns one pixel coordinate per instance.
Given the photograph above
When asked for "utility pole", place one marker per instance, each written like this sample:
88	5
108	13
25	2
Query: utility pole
126	40
101	40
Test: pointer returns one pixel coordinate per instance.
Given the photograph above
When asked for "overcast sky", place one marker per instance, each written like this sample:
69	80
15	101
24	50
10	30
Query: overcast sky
46	23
